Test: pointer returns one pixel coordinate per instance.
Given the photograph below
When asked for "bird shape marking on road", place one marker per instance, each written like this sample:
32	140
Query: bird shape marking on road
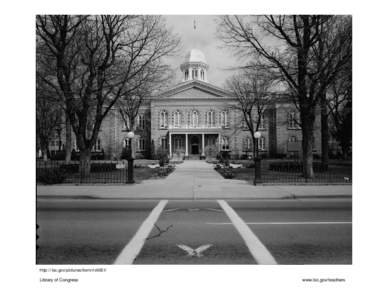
195	252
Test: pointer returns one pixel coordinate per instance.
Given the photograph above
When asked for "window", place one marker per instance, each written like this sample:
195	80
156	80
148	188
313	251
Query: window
140	122
210	119
186	74
192	74
126	143
202	75
163	119
292	121
292	139
97	146
196	73
194	119
224	119
75	145
224	143
177	119
247	144
262	121
141	144
261	145
164	143
178	143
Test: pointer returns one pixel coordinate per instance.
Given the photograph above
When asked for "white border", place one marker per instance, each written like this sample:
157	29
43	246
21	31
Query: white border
19	274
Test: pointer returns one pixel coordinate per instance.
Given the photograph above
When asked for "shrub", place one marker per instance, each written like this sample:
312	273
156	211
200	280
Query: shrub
211	151
58	155
51	176
94	167
293	166
164	171
125	153
69	168
227	173
94	155
162	156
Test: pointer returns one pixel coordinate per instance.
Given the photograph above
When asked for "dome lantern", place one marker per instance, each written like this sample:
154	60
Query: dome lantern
194	66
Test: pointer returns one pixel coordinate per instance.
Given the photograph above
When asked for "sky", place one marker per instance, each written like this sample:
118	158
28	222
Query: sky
203	38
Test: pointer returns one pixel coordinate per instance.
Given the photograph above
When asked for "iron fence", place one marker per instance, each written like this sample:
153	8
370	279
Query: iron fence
288	171
51	172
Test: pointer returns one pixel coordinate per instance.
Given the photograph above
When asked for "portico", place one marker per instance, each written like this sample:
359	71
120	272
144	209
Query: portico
192	141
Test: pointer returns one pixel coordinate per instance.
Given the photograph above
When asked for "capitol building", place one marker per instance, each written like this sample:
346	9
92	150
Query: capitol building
196	119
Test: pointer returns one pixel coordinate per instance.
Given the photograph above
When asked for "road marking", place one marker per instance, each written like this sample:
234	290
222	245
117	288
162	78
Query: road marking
195	252
285	223
132	249
259	252
171	210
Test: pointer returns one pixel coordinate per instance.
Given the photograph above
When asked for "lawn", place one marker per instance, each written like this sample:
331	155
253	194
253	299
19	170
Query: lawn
108	176
337	173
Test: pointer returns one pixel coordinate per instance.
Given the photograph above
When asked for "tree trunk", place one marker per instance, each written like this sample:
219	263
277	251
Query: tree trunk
255	146
45	157
307	144
84	163
324	134
68	144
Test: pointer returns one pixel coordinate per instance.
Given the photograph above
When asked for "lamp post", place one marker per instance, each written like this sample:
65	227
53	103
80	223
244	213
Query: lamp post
257	178
130	136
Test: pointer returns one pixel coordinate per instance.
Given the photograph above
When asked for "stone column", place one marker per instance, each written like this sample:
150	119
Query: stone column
219	142
170	143
187	145
203	144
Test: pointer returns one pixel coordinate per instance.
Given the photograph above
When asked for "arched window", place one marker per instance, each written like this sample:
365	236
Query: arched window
97	146
261	142
292	120
140	121
210	118
126	142
292	139
247	145
262	122
163	119
224	118
177	119
224	143
141	144
194	118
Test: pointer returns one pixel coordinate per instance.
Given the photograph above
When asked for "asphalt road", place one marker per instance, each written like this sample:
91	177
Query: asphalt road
94	231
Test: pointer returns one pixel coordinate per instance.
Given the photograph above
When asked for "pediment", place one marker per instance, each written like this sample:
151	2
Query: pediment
195	89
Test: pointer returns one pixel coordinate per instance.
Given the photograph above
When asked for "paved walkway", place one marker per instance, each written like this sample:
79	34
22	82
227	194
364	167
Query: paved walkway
195	180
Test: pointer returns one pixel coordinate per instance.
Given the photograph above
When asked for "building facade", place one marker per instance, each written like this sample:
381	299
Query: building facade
198	119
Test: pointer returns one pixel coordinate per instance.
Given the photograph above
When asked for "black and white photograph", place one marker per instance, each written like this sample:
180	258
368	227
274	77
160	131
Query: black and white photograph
194	139
193	150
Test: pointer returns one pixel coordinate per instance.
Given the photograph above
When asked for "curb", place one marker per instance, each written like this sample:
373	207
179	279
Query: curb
290	197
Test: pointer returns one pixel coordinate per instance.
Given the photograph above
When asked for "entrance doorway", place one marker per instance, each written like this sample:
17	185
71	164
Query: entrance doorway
194	145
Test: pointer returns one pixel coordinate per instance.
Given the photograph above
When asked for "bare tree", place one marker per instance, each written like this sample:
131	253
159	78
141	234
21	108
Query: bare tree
97	59
46	78
339	100
334	51
251	89
153	78
48	118
289	45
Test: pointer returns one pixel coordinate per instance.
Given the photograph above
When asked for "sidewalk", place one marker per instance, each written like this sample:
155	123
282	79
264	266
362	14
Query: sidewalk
195	180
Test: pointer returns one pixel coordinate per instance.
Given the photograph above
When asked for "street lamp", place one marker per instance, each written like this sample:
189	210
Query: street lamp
257	136
130	136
